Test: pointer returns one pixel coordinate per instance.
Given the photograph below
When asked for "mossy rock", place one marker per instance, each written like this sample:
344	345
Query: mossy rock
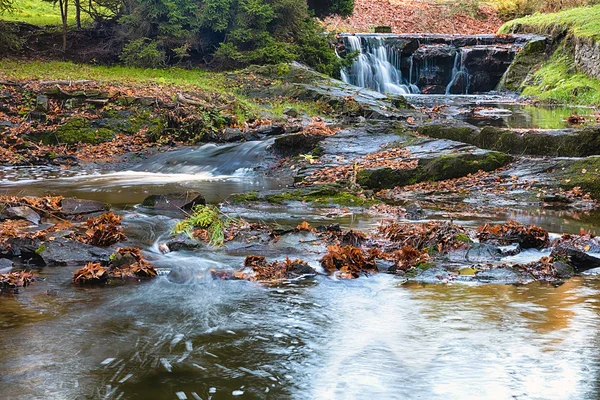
583	173
451	130
321	195
525	62
79	130
458	165
244	197
436	169
559	143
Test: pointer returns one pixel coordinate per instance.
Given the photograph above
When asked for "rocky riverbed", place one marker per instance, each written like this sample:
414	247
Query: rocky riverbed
303	214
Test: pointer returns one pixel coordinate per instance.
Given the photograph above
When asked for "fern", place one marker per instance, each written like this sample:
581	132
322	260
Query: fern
204	217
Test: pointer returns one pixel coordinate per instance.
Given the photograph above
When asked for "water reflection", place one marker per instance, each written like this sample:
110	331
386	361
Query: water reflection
327	340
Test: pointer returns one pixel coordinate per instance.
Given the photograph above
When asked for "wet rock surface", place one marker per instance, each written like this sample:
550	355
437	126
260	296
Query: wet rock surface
174	201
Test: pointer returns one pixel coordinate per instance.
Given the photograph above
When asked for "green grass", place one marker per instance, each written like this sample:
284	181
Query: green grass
558	82
187	79
38	12
24	70
583	22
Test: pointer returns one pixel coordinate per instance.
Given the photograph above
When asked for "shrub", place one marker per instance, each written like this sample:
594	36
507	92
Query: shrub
144	53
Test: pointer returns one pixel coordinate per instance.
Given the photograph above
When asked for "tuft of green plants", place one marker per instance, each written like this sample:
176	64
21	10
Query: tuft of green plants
207	217
582	22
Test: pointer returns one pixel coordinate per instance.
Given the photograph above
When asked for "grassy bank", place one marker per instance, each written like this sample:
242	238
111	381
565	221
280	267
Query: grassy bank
38	12
194	79
556	79
583	22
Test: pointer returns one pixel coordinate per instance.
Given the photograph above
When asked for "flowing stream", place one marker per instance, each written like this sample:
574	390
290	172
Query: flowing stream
323	339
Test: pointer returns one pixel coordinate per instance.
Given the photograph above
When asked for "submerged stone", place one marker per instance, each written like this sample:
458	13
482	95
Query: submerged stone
174	201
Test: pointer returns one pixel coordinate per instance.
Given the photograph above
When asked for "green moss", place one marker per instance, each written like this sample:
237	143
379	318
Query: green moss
40	249
461	237
244	197
458	165
344	199
78	130
524	63
583	173
321	196
424	266
556	79
450	130
582	22
440	168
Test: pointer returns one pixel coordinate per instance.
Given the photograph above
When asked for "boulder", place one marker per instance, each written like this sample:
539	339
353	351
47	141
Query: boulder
23	212
71	206
174	201
295	144
41	103
69	252
5	265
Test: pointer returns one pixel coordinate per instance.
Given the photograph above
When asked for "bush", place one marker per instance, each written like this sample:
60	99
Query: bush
143	53
10	40
229	33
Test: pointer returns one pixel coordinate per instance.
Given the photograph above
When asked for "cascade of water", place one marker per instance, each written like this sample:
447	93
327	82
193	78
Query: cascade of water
459	72
376	67
412	84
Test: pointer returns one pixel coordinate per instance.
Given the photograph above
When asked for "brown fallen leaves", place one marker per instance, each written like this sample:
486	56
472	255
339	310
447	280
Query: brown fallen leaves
13	280
276	270
416	16
405	258
19	229
513	232
104	230
48	204
348	262
541	270
396	158
437	235
125	263
318	127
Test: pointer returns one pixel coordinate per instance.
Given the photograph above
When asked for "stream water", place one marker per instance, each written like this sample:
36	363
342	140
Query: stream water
372	337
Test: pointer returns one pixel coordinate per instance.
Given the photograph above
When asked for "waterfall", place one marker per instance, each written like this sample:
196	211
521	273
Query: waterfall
375	67
459	71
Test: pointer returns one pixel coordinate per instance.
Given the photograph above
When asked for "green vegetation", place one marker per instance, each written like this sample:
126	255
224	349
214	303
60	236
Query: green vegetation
224	33
209	218
583	22
36	12
582	143
78	130
511	9
557	81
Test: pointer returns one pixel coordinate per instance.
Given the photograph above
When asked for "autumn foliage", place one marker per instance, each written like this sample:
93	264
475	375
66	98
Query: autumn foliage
437	235
13	280
513	232
274	271
104	230
348	262
125	263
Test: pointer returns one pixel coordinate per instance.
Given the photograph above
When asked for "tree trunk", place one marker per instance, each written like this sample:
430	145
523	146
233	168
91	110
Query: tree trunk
78	13
64	6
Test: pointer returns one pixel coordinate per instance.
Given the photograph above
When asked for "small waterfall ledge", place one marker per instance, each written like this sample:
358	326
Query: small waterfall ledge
429	64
